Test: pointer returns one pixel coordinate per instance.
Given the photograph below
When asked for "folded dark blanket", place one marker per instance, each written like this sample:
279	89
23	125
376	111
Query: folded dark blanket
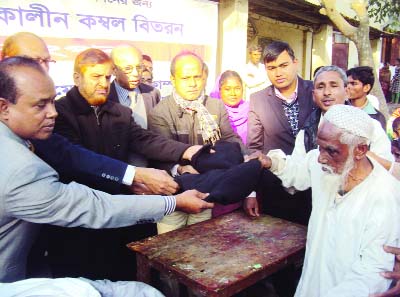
224	185
227	154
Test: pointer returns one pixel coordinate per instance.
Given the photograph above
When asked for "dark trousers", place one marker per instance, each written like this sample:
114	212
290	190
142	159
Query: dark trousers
95	254
277	202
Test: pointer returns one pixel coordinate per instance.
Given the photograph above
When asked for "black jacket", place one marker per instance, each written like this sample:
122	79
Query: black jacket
111	130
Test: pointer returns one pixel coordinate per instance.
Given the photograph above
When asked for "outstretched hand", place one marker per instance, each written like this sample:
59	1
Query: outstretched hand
157	181
192	201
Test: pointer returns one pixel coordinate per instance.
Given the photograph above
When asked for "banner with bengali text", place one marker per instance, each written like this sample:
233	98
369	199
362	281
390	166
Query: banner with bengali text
160	28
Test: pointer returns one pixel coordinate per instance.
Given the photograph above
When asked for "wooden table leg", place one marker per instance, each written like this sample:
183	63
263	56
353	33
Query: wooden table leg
143	269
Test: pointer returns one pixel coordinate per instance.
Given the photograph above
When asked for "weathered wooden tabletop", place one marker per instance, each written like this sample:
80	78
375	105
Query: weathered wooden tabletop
222	256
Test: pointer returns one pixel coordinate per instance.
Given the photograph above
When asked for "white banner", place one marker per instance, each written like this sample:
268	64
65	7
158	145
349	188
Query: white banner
160	28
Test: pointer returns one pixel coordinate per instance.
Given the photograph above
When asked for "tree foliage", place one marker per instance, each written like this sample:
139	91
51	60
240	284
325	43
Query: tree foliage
385	12
359	35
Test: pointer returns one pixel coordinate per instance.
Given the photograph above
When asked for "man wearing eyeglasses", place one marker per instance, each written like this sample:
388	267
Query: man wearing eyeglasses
127	88
28	45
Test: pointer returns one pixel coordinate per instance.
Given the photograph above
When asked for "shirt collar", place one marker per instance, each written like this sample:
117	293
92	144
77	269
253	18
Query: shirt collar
122	92
291	98
369	108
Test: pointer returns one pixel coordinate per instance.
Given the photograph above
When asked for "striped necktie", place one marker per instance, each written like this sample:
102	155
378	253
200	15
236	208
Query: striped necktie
138	109
133	97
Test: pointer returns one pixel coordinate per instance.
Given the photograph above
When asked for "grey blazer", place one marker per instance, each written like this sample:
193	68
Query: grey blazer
31	194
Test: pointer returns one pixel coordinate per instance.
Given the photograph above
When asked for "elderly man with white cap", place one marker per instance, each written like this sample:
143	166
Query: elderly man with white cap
355	208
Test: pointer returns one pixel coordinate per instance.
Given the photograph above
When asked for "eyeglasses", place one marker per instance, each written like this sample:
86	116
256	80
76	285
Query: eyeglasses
129	69
46	61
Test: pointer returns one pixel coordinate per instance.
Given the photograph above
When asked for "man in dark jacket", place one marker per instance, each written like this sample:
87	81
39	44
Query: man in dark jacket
189	116
276	115
128	90
87	118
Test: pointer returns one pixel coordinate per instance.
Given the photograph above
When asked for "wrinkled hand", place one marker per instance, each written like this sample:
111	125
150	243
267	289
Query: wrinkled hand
254	155
250	206
140	189
190	152
157	181
191	201
265	161
394	275
187	169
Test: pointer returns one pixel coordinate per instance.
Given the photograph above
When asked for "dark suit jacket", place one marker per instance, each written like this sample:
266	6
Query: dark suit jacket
73	160
151	96
268	127
113	132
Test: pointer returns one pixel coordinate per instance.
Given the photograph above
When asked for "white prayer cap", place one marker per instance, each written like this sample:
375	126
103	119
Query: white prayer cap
350	119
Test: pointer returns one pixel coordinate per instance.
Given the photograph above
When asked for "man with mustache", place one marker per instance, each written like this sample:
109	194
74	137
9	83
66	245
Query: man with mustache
355	207
330	88
87	118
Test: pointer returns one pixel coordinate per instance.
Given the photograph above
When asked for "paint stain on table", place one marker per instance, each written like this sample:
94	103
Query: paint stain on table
225	250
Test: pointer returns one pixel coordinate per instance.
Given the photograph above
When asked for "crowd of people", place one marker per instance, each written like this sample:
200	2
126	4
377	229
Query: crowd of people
97	168
390	81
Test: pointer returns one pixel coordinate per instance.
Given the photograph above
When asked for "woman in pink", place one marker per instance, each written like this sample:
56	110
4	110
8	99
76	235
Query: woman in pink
231	93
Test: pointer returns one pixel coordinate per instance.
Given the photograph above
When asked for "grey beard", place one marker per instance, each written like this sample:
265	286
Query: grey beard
337	181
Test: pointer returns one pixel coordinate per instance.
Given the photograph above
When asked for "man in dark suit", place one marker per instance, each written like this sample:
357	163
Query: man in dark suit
127	88
276	115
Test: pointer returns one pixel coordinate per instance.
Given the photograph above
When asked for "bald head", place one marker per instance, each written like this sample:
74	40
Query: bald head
128	66
27	44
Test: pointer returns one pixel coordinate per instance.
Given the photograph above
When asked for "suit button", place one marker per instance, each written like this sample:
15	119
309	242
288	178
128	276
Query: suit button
103	175
116	179
112	177
108	176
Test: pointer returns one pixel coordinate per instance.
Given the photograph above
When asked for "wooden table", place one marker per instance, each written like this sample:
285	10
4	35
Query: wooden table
222	256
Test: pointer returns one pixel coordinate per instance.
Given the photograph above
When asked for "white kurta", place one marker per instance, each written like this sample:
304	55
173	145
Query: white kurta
344	253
